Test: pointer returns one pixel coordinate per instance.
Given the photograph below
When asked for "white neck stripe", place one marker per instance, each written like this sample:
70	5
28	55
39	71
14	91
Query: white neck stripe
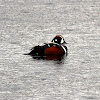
64	49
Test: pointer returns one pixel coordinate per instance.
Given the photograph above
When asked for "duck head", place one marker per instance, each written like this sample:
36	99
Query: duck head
58	39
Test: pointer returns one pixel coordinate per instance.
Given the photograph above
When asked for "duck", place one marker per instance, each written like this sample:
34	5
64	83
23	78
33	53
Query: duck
55	48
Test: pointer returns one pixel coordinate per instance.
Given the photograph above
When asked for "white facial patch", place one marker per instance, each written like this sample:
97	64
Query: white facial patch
62	40
55	39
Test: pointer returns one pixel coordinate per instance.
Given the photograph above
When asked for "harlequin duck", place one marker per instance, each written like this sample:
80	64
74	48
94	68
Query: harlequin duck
55	48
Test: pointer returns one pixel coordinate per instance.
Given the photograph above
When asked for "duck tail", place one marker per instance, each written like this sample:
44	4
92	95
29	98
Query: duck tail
26	53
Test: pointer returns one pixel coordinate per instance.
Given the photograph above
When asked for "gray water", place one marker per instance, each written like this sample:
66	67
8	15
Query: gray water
26	23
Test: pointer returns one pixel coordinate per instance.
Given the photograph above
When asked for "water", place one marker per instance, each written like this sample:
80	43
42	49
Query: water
26	23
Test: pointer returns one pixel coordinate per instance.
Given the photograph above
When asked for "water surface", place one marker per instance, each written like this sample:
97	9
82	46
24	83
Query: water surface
24	24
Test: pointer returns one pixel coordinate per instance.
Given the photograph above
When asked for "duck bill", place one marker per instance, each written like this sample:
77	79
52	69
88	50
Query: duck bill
65	42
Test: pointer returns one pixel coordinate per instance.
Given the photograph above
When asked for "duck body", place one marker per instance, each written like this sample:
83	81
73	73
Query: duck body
48	49
55	49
